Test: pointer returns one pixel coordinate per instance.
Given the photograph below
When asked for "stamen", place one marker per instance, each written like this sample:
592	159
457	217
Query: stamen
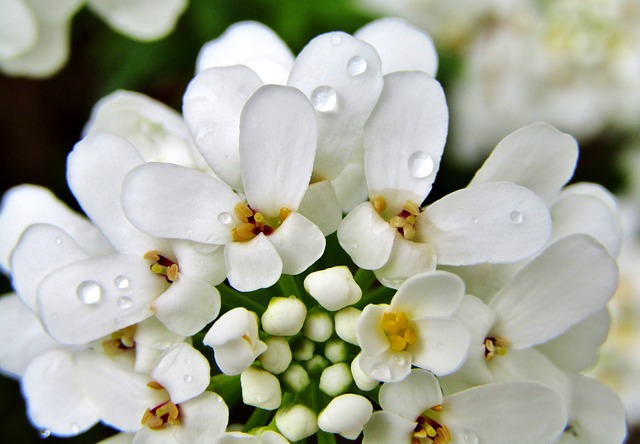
378	203
155	385
163	265
495	346
243	211
398	330
253	223
161	415
428	428
121	341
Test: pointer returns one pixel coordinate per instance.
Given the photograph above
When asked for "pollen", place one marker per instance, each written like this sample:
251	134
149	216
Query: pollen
430	430
252	223
161	415
495	346
379	204
397	328
120	341
162	265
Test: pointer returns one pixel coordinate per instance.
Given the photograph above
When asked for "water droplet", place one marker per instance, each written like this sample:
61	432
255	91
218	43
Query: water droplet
336	39
125	302
121	282
44	433
399	360
218	399
474	220
381	372
54	315
75	428
187	378
324	98
224	218
468	437
516	217
189	231
356	66
58	241
420	164
89	292
117	320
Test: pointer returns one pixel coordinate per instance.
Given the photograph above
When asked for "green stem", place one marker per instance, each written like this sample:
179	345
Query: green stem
288	285
258	418
232	299
364	278
326	438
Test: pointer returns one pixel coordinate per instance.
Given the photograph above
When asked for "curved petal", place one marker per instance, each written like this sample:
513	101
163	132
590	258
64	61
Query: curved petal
251	44
404	138
299	243
537	156
96	169
140	19
182	371
410	397
204	419
493	222
201	261
351	186
388	366
387	428
22	336
401	46
18	29
30	204
477	316
371	337
321	206
188	305
152	339
278	137
341	76
366	237
212	105
197	206
89	299
253	264
434	293
407	259
55	394
570	280
442	346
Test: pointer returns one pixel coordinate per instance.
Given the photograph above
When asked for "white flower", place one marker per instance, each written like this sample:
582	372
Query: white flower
334	288
260	389
416	328
284	316
345	415
261	437
501	413
277	357
296	422
235	341
318	326
345	324
335	379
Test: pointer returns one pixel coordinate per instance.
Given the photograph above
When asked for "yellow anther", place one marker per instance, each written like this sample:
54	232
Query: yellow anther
408	232
258	217
402	320
410	336
243	232
379	203
411	220
397	222
420	434
284	213
398	330
495	346
155	385
153	255
397	343
444	433
160	416
159	269
431	432
437	408
243	211
411	208
121	341
172	272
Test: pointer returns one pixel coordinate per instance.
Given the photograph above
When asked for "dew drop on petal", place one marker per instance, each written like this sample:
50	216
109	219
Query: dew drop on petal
44	433
468	437
125	302
218	399
89	292
58	241
381	372
117	320
187	378
336	39
75	428
356	66
474	220
399	360
420	164
121	282
224	218
516	217
324	98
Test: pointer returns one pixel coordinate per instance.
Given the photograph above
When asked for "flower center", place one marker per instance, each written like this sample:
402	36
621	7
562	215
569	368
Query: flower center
405	220
428	430
495	346
398	330
253	223
159	416
162	265
121	341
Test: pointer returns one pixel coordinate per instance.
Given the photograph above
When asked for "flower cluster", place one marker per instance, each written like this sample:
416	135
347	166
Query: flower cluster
216	267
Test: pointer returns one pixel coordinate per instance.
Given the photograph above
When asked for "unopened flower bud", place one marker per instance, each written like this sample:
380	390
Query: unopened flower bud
284	316
346	320
277	356
335	350
346	415
302	349
336	379
296	378
318	326
296	422
260	389
316	364
362	380
334	288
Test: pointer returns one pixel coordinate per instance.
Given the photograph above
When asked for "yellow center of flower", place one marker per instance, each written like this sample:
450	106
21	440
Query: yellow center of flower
428	430
495	346
253	223
398	329
404	221
120	341
162	265
161	415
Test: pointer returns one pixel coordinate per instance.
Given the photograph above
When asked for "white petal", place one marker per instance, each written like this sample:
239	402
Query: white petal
42	249
95	171
341	76
387	428
202	261
502	413
435	293
404	138
570	280
251	44
119	438
493	222
369	332
175	202
204	419
401	47
107	306
334	288
388	366
366	237
140	19
188	305
29	204
412	396
18	29
407	259
183	372
22	336
298	242
278	137
55	394
582	213
253	264
321	206
477	316
260	388
211	106
351	186
537	156
442	346
152	339
346	415
118	394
